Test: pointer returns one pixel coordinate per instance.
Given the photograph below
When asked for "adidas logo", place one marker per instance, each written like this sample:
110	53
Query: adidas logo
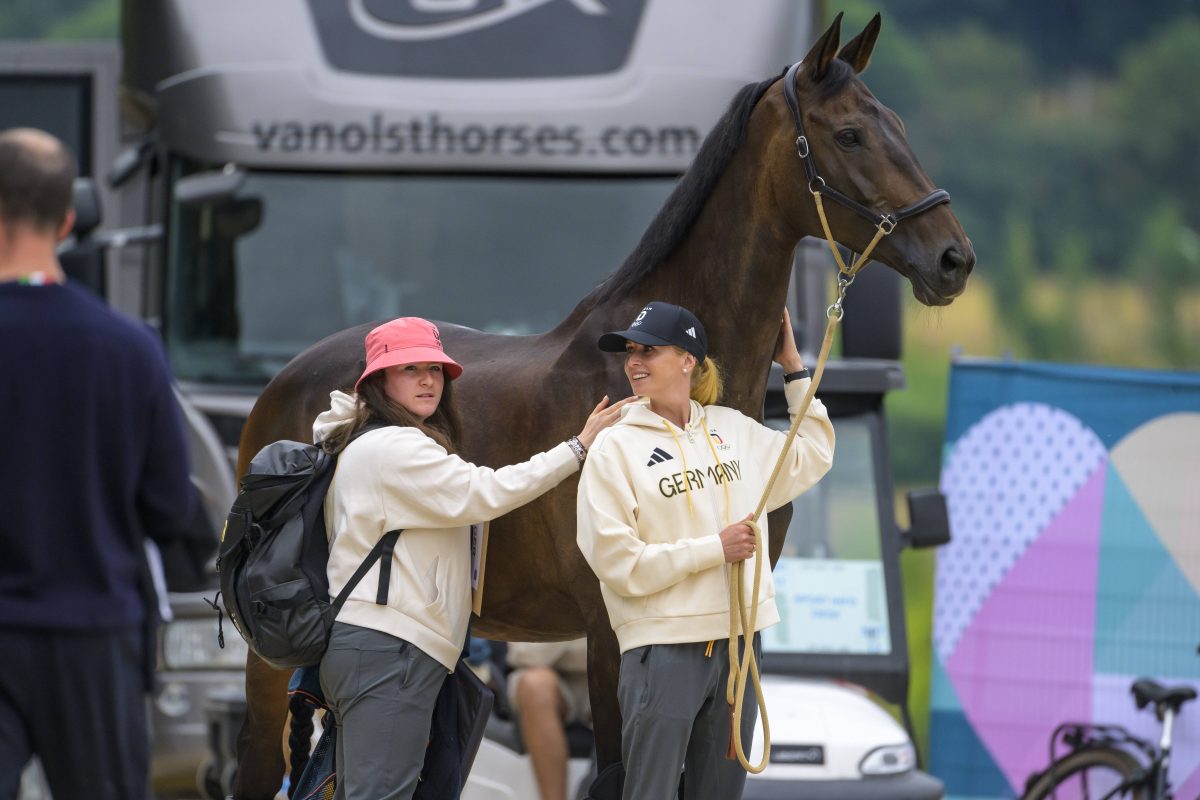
691	332
658	456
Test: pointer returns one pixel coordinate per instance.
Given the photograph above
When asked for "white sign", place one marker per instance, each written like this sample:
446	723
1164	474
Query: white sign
829	606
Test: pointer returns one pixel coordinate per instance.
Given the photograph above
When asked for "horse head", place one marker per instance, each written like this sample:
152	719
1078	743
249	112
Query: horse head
855	147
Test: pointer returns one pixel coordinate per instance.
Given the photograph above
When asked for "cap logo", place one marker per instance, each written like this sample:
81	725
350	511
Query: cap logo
691	332
640	317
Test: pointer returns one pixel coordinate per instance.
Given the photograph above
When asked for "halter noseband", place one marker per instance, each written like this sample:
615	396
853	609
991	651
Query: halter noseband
817	184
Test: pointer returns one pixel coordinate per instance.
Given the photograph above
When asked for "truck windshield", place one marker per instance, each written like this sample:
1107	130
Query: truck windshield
293	257
829	582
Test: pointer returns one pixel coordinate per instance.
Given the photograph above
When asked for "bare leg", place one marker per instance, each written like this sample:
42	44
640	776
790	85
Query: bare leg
541	709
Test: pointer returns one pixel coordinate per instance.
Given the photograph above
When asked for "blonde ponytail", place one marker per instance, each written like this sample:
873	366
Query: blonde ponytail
706	383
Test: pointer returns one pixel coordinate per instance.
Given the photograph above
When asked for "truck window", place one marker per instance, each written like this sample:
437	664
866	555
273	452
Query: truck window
829	581
294	257
60	104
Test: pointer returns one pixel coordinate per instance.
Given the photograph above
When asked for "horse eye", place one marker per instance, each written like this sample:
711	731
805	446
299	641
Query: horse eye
847	137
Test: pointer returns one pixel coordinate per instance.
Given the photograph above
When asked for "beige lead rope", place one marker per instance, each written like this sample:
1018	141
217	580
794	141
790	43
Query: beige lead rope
735	692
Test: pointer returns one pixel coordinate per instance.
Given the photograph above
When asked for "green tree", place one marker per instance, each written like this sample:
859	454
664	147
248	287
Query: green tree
1071	262
1157	105
59	19
1169	260
1011	279
100	19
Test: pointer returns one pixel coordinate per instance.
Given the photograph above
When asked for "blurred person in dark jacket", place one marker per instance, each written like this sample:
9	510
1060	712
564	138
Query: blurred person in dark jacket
94	463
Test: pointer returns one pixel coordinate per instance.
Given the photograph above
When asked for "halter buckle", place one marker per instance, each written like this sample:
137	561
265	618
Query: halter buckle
802	146
816	185
887	224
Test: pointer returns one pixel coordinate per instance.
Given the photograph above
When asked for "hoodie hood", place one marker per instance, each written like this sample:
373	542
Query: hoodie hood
639	414
342	407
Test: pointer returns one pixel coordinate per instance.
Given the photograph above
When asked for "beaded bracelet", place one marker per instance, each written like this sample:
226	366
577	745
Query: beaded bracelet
578	449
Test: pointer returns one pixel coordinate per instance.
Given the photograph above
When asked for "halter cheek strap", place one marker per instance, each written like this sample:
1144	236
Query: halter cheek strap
817	184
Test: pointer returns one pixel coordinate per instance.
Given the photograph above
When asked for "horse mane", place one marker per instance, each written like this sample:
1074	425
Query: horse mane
673	222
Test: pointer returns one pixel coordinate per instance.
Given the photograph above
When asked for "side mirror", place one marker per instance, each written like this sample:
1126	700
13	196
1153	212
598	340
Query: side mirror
86	201
929	522
129	161
82	256
209	188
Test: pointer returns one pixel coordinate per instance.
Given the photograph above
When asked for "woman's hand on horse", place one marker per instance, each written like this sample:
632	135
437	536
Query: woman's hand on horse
786	355
601	417
738	541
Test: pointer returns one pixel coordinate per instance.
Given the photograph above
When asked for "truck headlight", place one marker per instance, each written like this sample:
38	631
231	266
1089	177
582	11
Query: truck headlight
891	759
192	644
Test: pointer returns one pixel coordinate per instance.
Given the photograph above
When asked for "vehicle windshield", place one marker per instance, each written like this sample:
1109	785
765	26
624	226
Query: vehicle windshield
829	582
293	257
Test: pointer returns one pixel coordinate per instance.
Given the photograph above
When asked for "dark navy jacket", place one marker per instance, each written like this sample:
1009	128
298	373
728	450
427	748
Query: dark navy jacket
93	458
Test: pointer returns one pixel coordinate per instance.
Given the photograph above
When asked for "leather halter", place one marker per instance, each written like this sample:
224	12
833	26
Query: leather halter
817	184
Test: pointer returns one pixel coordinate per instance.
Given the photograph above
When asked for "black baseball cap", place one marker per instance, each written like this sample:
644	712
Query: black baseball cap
660	324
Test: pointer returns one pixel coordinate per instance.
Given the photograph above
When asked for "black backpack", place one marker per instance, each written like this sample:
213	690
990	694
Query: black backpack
274	551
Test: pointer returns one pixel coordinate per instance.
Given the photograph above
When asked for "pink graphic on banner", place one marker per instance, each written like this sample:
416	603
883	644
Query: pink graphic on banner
1034	634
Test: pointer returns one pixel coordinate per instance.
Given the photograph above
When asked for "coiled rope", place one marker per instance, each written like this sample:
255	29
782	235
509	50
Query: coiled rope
745	620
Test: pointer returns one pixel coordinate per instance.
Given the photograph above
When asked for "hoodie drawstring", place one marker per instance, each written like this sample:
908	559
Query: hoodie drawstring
687	490
717	460
686	480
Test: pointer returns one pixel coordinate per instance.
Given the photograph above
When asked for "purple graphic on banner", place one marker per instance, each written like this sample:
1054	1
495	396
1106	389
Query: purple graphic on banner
1074	566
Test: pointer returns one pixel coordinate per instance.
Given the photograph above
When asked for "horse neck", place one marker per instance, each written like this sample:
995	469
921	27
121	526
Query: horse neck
732	271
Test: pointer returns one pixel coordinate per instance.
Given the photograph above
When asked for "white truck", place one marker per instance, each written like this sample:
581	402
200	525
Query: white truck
302	166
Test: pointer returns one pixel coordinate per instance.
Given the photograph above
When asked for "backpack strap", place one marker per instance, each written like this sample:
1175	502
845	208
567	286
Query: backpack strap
387	545
382	549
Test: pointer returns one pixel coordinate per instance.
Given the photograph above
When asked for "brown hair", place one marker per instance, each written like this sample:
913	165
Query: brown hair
374	405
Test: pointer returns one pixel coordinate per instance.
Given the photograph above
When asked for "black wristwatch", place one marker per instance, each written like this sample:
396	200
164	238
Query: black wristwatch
788	377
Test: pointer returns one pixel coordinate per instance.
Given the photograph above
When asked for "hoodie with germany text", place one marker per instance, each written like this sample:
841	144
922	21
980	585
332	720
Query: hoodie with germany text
653	499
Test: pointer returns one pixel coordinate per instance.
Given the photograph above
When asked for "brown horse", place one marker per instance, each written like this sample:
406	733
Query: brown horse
722	246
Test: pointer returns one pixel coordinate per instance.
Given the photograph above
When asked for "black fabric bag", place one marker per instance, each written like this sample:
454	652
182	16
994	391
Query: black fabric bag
274	552
459	718
609	784
318	781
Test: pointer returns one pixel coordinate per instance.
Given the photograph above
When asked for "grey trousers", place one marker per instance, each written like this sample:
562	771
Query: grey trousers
382	690
675	717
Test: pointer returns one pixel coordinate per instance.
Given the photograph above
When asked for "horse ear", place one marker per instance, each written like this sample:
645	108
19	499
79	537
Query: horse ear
824	51
858	50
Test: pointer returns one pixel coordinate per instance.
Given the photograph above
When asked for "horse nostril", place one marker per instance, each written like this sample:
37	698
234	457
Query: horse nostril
954	259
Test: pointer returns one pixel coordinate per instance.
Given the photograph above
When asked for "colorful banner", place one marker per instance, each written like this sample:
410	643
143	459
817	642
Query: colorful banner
1074	499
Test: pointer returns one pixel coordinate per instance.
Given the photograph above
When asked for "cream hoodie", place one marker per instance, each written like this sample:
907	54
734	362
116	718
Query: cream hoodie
398	477
654	498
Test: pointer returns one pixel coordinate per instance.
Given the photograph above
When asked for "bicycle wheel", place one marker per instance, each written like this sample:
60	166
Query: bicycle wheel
1090	774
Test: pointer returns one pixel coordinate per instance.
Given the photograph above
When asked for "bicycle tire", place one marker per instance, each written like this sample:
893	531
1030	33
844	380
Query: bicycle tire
1088	774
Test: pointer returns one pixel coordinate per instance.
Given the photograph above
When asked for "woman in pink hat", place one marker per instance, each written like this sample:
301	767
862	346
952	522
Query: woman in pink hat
386	660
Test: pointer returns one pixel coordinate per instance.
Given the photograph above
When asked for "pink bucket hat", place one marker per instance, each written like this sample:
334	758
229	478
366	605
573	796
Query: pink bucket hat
406	340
